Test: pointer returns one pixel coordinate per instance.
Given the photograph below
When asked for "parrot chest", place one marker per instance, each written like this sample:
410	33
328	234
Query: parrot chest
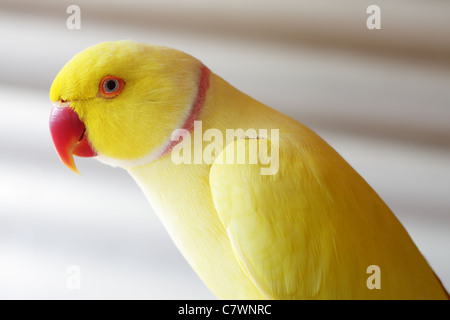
181	197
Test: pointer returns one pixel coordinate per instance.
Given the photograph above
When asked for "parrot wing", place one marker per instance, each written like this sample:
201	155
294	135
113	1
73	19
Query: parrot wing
314	221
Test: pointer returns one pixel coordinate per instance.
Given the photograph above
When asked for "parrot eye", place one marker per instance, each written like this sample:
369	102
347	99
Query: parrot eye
110	87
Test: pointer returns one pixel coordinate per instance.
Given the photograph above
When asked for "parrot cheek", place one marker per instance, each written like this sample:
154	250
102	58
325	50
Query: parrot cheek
69	135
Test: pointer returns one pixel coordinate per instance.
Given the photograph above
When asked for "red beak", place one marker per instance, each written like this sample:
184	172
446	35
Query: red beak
69	135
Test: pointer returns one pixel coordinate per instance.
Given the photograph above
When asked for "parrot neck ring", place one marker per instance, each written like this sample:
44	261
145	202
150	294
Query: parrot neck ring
196	108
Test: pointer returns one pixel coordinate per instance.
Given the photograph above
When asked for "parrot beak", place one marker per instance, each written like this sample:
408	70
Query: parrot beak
69	135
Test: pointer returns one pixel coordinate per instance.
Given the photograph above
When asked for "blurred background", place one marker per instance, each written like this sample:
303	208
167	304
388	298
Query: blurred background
381	98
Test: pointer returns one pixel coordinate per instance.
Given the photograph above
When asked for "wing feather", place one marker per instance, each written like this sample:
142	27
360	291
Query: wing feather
312	229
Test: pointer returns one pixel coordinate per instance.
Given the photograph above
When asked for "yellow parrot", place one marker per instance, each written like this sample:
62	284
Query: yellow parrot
311	229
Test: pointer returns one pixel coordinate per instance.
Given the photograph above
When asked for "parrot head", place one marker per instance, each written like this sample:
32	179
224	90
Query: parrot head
122	100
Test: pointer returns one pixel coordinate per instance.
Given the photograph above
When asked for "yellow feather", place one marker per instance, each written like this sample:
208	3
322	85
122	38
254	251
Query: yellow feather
160	83
309	231
312	231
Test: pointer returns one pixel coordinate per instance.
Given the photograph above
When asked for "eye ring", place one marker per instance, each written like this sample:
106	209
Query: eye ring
110	87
